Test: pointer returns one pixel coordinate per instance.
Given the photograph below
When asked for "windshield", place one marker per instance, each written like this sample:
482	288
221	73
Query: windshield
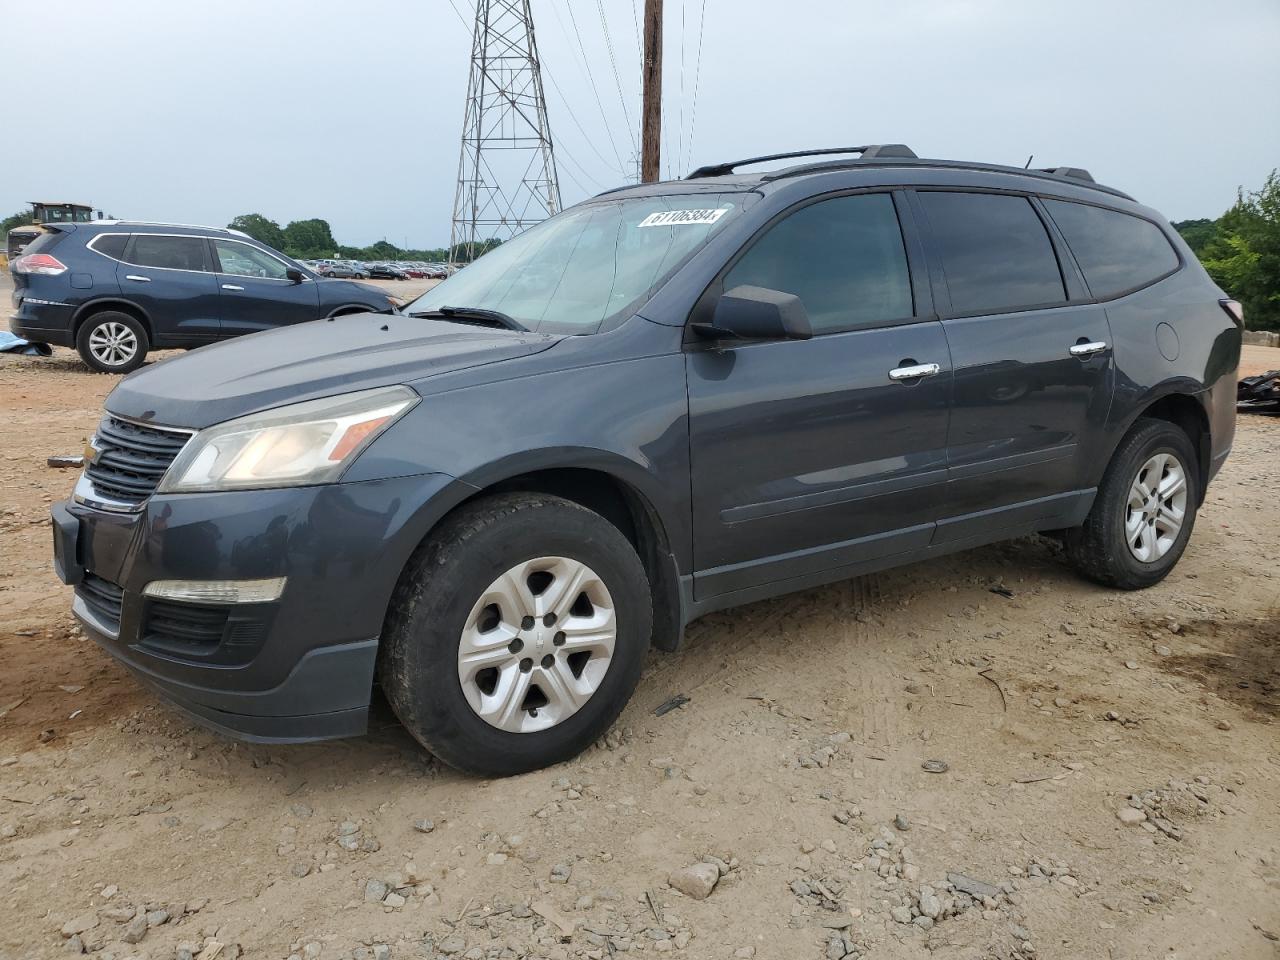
588	266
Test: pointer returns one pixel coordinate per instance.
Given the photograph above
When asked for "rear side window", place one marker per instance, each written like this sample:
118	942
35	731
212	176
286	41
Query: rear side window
1117	252
995	252
842	257
172	253
110	245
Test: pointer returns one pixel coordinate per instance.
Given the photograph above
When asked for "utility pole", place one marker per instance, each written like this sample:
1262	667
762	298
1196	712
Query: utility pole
507	179
651	112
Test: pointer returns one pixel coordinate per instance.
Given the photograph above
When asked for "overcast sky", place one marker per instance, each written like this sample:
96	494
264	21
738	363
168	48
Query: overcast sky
352	111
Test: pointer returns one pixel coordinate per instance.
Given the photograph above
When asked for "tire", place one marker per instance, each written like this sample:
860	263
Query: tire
112	334
440	596
1100	548
360	276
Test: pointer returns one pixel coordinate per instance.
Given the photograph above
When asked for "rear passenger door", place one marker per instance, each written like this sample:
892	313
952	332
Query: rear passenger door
809	456
256	293
170	278
1032	370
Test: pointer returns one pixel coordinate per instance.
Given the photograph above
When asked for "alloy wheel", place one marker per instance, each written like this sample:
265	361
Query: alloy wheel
113	344
1156	508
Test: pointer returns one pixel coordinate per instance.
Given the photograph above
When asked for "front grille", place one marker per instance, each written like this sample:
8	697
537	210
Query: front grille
103	598
131	458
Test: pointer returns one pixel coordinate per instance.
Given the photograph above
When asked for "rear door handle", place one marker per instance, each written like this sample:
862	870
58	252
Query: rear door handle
915	371
1087	349
231	286
134	276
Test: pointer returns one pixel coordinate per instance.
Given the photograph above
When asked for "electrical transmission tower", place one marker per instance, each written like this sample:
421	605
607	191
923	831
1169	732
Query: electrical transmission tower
507	169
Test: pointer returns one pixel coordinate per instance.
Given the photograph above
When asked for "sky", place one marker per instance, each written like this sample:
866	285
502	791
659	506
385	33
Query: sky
182	111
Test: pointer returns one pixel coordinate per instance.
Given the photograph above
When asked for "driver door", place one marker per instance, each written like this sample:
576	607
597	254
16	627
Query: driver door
254	291
812	457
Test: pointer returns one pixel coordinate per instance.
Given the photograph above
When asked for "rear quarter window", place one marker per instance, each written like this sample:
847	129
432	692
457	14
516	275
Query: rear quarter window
110	245
1117	252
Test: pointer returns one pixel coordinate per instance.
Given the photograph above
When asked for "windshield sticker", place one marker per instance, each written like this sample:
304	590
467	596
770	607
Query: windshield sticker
683	218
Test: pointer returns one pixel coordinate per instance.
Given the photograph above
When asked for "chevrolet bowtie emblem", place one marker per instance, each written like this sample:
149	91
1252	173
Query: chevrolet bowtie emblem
91	450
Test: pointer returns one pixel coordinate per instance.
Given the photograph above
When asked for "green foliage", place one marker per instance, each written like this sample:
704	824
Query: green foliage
260	228
313	240
1241	251
309	238
20	219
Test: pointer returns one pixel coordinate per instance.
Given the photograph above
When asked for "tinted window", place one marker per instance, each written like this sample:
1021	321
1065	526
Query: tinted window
995	251
243	260
843	258
173	253
111	245
1117	252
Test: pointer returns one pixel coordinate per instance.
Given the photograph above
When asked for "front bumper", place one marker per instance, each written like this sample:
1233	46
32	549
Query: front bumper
296	669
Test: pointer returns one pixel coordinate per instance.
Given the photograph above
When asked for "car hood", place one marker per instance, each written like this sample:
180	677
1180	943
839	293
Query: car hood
308	361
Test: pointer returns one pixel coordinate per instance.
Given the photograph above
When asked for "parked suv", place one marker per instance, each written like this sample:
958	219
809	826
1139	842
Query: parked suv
670	399
113	290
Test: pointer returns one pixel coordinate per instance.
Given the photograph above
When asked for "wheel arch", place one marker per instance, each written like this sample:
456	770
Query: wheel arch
102	304
1181	403
349	308
606	491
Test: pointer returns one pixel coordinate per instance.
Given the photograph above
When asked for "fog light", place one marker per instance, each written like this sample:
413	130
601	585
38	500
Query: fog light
216	591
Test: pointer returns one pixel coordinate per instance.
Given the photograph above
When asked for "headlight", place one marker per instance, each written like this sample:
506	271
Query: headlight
298	445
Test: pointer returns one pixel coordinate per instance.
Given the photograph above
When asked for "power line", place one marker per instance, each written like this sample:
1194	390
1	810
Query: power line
680	129
583	63
574	117
613	63
697	76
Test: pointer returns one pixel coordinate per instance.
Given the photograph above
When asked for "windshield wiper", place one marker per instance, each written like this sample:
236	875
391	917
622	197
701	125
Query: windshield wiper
491	318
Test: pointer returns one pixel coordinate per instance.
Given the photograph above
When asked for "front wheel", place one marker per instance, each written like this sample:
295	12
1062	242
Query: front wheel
112	342
517	634
1144	510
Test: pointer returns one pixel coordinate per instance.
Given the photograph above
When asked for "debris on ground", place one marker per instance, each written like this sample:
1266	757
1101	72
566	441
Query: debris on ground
1260	393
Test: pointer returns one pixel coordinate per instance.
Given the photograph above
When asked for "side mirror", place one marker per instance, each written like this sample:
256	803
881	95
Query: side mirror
757	313
294	274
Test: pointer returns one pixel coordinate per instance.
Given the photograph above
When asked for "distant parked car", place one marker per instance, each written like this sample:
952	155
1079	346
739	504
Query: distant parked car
115	289
386	271
339	268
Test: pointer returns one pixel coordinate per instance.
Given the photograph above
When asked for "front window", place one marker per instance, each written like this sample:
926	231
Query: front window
583	270
242	260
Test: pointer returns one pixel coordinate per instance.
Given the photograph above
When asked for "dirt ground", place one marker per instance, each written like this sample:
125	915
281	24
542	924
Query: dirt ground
797	763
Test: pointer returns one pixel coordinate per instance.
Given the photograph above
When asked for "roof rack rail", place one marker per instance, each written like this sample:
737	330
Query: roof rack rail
1076	173
897	150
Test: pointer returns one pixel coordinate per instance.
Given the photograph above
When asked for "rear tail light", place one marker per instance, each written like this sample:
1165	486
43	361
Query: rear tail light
1234	309
40	263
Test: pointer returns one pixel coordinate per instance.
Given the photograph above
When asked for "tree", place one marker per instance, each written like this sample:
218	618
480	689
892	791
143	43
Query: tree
309	238
19	219
1244	258
260	228
1197	233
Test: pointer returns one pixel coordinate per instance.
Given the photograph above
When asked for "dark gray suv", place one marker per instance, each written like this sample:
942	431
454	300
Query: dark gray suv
667	400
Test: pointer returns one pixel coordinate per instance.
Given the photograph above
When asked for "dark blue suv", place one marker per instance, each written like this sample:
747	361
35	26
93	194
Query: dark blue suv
670	399
113	290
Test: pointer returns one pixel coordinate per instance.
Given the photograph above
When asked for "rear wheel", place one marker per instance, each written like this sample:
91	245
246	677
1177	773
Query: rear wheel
1144	511
517	634
112	342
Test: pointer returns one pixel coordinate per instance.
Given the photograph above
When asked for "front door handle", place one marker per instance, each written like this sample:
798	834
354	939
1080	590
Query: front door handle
231	286
134	276
1087	349
915	371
